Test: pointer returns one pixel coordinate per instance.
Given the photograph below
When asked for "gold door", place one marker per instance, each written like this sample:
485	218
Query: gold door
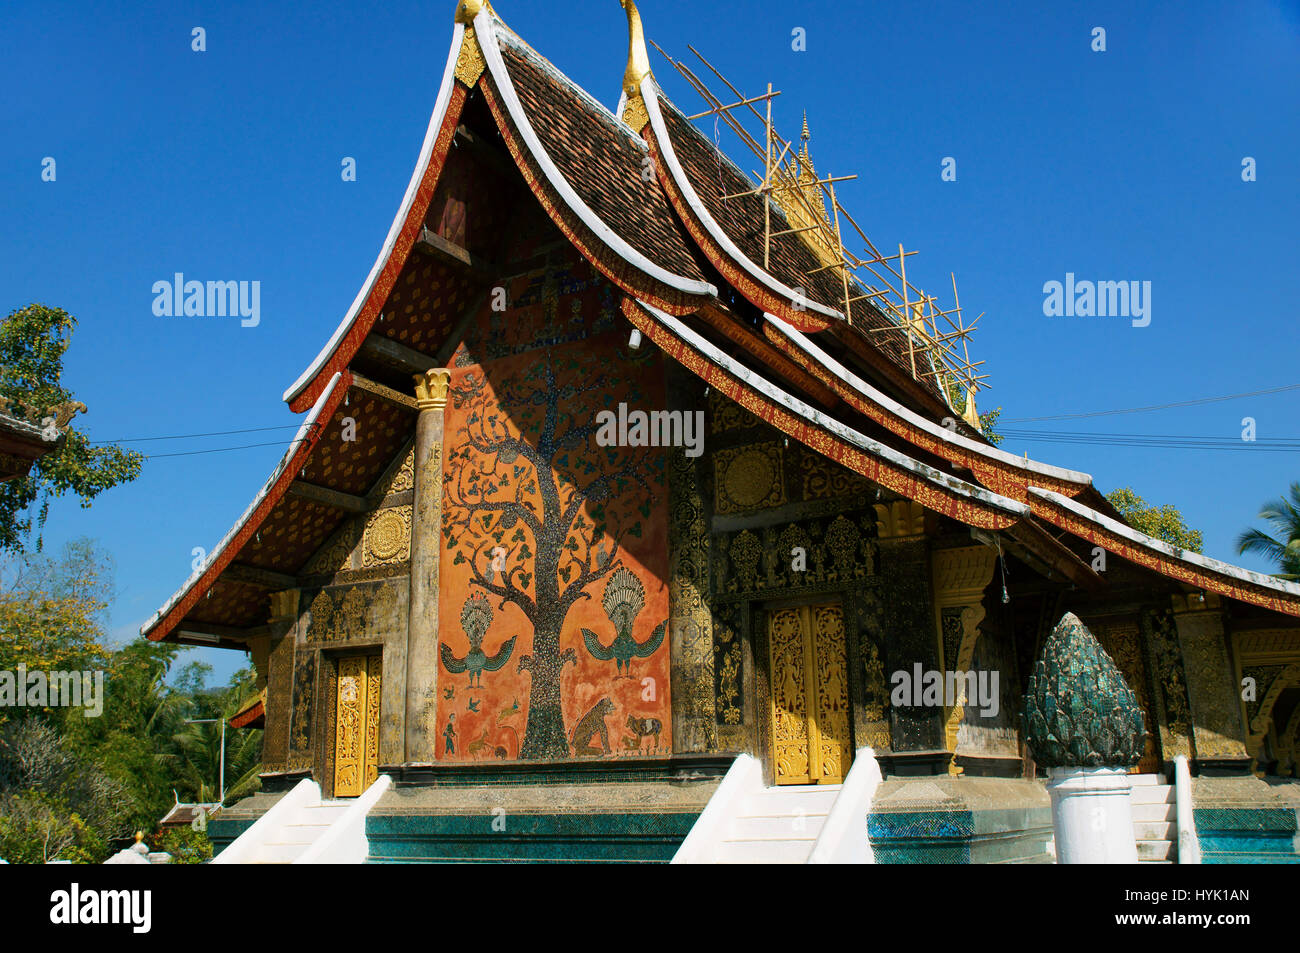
356	733
810	696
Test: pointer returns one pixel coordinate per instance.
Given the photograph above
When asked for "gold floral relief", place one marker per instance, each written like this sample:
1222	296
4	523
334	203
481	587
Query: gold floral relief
387	537
810	694
748	479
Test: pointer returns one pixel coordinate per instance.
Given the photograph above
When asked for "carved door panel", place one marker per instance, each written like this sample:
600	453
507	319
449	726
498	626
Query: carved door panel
356	730
810	698
1123	643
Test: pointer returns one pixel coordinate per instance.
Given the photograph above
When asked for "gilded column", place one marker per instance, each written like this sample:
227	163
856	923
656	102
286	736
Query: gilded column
960	577
1218	735
426	538
910	642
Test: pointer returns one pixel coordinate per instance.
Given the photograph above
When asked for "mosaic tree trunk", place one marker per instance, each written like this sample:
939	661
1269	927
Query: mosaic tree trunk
527	508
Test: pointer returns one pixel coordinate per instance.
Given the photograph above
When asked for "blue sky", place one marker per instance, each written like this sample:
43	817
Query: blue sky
1122	165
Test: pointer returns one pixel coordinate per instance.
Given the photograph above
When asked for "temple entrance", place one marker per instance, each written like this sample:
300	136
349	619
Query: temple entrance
356	725
810	695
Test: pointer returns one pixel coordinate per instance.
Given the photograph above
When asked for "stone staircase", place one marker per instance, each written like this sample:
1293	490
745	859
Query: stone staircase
291	839
1155	819
777	825
304	828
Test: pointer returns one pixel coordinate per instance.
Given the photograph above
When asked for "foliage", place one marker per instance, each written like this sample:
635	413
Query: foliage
988	426
1161	522
51	613
71	785
53	804
186	845
1284	547
33	341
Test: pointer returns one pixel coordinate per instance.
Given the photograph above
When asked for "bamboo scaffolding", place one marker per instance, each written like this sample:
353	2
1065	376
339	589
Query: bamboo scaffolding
939	336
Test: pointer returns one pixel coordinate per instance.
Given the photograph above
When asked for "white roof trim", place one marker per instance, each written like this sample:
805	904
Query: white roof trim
303	431
1159	545
485	27
394	230
933	429
650	93
811	414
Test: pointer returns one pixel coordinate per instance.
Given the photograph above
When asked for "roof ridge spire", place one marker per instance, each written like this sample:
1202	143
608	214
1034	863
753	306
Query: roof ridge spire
638	59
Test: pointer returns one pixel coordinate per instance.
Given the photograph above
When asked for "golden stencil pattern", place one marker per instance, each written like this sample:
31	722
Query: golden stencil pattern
404	479
1123	644
832	691
340	615
790	724
810	694
726	414
374	694
691	621
387	537
748	479
350	715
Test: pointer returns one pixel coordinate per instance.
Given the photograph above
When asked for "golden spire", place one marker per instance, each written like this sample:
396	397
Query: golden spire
467	10
638	60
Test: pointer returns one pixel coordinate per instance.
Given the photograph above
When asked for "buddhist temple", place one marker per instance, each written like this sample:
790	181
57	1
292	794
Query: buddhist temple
625	522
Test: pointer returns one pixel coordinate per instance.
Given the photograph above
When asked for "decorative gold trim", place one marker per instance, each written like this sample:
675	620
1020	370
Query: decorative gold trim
431	388
635	114
467	10
470	64
901	519
960	577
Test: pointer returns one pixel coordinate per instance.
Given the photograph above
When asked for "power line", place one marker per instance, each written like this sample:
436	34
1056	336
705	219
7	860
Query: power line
1158	441
195	453
1143	410
194	436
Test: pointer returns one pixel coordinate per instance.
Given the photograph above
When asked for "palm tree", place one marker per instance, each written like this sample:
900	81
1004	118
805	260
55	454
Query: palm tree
1284	548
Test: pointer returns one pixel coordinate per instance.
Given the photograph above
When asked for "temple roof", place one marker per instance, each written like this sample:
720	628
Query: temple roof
508	126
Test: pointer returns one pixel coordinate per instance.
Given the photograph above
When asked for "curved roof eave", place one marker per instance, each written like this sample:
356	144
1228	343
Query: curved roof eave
1129	543
485	26
950	486
303	443
394	231
650	95
1029	468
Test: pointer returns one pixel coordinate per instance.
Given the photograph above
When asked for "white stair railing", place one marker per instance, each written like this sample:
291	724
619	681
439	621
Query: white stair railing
701	845
843	838
1189	845
345	841
306	793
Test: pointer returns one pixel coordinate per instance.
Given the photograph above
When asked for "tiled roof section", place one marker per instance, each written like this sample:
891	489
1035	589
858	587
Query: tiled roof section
602	160
23	429
791	262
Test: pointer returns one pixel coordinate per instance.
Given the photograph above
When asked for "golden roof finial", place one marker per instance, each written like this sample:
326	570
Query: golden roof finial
638	60
467	10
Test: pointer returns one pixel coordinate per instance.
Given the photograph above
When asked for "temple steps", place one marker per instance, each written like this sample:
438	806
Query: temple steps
304	828
777	825
1155	819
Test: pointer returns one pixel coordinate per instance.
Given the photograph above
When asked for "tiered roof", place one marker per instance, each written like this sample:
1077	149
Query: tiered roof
507	124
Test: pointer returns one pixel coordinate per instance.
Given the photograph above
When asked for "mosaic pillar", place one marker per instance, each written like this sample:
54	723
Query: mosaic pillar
1218	735
279	676
426	538
960	577
916	730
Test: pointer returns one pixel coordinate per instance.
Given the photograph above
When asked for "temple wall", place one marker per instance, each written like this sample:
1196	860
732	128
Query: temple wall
553	633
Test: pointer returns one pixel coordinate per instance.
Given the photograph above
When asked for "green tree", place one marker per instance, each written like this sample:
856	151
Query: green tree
1162	522
1284	547
33	341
